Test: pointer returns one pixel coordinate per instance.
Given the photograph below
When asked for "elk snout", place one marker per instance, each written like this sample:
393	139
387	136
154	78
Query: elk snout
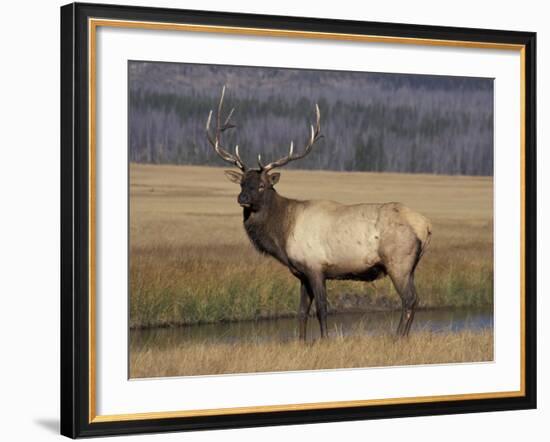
243	200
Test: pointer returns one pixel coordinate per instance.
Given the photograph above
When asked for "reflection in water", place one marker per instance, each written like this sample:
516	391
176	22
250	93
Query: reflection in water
347	324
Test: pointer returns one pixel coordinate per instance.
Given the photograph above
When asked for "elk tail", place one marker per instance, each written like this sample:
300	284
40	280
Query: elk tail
421	227
426	241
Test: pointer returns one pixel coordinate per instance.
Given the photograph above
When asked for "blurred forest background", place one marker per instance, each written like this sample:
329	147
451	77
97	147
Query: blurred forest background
370	121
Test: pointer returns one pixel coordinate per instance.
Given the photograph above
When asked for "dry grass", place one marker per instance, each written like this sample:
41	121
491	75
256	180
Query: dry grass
191	262
349	352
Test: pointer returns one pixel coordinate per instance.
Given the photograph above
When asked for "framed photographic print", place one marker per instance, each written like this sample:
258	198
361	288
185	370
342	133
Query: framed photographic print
275	220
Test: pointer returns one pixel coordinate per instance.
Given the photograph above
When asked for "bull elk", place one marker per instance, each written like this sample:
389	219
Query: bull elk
322	240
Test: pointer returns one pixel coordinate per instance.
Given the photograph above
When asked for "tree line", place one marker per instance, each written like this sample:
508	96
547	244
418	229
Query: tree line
369	122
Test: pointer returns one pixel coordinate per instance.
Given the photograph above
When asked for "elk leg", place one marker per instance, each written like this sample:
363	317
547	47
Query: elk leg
317	283
404	284
306	297
399	331
411	307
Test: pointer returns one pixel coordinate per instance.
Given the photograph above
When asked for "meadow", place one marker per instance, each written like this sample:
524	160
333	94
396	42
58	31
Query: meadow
335	352
191	262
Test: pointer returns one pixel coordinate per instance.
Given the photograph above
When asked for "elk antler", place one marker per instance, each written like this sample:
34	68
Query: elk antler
215	140
314	136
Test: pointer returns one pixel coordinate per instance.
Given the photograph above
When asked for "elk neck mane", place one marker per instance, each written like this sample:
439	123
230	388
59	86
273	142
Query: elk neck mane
269	227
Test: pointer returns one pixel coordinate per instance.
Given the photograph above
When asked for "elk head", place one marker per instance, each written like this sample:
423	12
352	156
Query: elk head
256	184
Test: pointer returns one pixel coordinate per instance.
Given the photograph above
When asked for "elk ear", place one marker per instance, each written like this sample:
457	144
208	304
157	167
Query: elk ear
233	176
274	178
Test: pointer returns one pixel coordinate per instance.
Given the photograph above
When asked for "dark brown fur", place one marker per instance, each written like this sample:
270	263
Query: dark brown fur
268	227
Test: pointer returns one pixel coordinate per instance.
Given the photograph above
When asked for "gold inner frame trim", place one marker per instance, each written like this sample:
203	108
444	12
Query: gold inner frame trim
93	24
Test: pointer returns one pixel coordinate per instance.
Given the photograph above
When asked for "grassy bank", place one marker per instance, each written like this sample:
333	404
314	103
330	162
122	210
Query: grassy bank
191	262
337	352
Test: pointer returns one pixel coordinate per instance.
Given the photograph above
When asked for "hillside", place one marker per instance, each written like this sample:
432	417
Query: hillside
370	121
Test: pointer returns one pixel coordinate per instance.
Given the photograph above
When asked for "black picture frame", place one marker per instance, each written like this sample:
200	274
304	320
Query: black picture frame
75	221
